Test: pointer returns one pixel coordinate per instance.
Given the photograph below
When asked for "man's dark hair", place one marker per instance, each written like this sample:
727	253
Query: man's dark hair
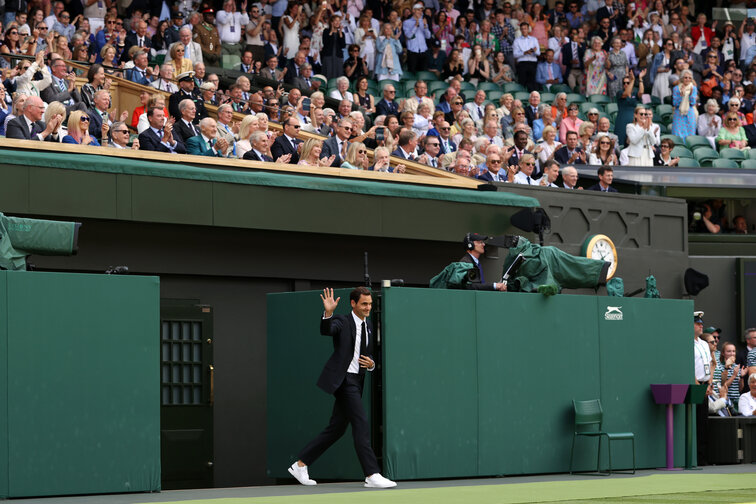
604	169
358	292
520	133
151	111
406	137
571	132
549	164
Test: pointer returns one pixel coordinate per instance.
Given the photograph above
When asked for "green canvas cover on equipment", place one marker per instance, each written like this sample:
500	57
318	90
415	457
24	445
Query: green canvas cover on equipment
454	276
546	268
21	237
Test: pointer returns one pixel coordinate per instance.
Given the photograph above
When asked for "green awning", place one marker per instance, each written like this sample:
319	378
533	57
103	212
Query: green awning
107	164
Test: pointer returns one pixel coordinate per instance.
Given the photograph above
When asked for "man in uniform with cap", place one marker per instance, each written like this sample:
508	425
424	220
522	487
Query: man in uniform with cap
186	90
475	245
206	34
172	34
704	370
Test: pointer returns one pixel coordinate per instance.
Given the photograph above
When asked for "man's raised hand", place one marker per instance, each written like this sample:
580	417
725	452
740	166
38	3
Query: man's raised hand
329	304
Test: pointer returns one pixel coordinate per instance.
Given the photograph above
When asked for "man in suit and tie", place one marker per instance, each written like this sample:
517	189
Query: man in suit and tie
387	105
570	177
518	150
548	72
259	141
407	145
288	143
141	73
304	82
572	59
137	38
337	144
447	145
476	107
63	85
431	148
99	115
606	176
531	110
159	136
184	129
192	50
571	152
344	377
119	137
475	245
294	67
493	172
186	90
207	143
245	65
28	126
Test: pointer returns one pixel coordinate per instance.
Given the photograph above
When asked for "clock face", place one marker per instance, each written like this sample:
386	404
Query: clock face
603	250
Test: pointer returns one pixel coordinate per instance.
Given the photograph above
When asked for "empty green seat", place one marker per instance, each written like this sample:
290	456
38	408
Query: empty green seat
688	163
704	154
734	154
664	112
682	152
408	86
560	88
408	76
589	417
489	86
494	96
437	87
548	97
749	164
751	153
598	98
426	75
611	108
467	86
695	141
724	163
523	96
575	98
678	141
513	87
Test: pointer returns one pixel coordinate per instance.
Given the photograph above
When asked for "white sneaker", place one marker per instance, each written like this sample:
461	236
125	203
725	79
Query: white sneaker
378	481
301	474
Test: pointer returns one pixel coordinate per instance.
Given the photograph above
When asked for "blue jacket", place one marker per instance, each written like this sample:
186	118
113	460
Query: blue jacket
380	46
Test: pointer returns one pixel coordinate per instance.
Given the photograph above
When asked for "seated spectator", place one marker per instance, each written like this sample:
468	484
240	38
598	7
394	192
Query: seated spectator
186	91
585	135
559	107
5	109
78	130
604	152
249	125
119	137
141	73
26	82
493	171
606	176
407	145
287	143
184	128
97	80
412	104
548	71
337	144
382	162
156	100
519	123
462	165
571	153
570	177
491	134
259	141
475	107
469	131
164	82
546	149
739	225
603	129
144	99
159	135
550	174
732	135
747	401
28	125
501	72
310	155
421	120
63	86
728	374
341	92
527	167
733	105
17	108
356	158
177	60
544	119
362	97
207	143
109	60
317	123
664	156
99	119
355	66
431	149
56	109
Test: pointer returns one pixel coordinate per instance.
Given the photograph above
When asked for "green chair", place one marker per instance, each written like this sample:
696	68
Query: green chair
385	82
734	154
704	154
682	152
664	112
724	163
696	141
748	164
437	87
688	163
489	86
575	98
560	88
599	98
408	76
426	75
548	97
468	86
494	96
678	141
751	153
408	86
230	60
513	87
585	107
523	96
663	129
612	108
588	418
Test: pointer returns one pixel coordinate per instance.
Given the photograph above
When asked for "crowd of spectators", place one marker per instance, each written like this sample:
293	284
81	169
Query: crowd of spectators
634	53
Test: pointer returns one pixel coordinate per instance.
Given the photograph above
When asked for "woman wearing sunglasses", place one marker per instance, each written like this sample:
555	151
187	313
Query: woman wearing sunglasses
356	158
78	130
732	134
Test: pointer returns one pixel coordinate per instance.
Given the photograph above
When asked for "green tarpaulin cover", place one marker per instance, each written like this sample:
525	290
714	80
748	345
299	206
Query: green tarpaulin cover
454	276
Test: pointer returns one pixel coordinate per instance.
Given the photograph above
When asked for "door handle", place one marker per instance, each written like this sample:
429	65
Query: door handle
212	384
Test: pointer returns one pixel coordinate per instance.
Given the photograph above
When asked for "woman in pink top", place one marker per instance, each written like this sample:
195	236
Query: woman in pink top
569	123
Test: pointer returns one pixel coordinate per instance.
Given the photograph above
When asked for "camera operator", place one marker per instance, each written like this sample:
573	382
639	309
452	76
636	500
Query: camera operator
475	245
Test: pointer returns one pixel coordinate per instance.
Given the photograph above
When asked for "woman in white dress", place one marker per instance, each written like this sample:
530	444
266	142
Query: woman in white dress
290	31
642	134
365	37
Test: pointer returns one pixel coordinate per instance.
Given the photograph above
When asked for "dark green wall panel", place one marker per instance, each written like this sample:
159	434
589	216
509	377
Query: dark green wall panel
297	409
70	192
14	190
430	383
83	383
180	201
3	389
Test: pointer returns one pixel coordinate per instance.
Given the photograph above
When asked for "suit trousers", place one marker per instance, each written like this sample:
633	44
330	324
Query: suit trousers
346	409
416	61
526	73
576	78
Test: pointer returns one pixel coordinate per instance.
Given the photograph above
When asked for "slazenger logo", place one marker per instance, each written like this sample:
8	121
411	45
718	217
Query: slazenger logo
613	313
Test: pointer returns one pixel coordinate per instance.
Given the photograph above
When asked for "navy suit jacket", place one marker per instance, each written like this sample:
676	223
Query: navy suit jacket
562	157
343	331
567	57
17	129
488	177
597	187
148	140
331	148
386	108
281	146
95	124
251	156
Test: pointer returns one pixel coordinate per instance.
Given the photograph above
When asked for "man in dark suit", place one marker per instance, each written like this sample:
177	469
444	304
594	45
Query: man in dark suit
137	38
294	67
159	136
531	109
447	145
259	141
570	153
186	90
572	57
605	175
407	145
388	106
344	377
494	173
28	126
609	11
184	129
475	245
288	142
208	143
337	144
518	150
304	82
